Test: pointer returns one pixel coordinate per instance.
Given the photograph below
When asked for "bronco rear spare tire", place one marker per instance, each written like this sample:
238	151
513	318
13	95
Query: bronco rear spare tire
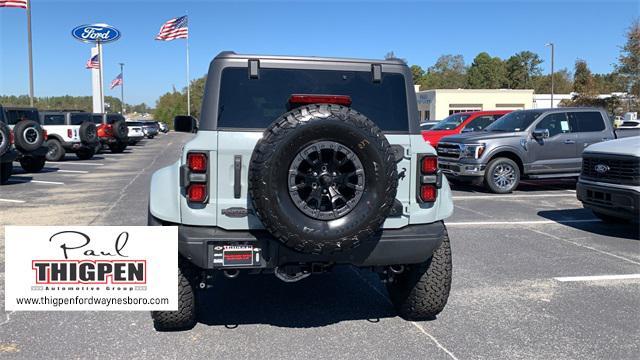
88	133
28	135
120	130
322	179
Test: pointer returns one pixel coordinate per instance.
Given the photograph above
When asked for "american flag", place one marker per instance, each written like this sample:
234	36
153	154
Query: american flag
14	3
117	81
93	62
174	29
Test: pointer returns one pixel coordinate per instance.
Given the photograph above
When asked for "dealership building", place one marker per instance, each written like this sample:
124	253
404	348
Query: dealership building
437	104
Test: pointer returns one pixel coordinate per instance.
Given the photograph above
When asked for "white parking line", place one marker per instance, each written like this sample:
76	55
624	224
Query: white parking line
38	182
597	277
13	201
73	171
530	222
476	197
74	163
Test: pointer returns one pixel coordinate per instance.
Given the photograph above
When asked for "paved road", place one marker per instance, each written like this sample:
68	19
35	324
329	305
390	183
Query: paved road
505	302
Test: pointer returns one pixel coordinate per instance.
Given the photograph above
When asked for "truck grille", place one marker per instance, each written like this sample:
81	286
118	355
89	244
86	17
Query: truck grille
611	168
448	150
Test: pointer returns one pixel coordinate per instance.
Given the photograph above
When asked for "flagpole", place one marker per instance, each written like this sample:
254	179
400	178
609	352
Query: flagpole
188	82
30	52
99	44
122	89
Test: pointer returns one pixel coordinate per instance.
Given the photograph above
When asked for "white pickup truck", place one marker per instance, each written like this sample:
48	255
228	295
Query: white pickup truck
609	183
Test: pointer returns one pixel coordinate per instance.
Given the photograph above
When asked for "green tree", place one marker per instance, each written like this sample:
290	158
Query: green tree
629	60
583	82
449	72
563	84
170	105
417	73
486	72
521	68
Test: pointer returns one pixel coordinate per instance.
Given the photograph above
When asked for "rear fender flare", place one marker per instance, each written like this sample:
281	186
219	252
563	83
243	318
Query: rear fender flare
164	194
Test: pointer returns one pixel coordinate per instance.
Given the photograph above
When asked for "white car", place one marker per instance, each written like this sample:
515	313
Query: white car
136	132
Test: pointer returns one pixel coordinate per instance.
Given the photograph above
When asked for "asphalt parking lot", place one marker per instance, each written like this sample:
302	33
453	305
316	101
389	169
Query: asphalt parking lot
525	282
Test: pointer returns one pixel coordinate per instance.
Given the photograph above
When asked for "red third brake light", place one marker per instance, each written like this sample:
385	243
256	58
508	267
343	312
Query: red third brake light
197	162
197	192
303	99
428	193
429	165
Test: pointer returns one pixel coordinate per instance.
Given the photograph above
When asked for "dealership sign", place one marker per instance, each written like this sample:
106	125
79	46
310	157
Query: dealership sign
91	268
96	33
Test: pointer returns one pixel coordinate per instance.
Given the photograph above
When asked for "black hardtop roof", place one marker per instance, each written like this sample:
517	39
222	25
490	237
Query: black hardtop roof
233	55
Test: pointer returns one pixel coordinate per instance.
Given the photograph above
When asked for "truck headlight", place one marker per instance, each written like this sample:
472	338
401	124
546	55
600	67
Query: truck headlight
473	151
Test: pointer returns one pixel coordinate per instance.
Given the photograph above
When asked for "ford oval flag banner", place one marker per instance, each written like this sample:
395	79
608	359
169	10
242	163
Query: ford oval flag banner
91	268
101	33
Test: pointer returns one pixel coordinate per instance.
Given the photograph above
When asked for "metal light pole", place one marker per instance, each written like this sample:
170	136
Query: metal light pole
122	89
552	73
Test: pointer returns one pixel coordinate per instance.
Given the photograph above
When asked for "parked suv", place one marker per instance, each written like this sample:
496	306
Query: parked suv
28	137
112	131
69	131
134	133
536	144
150	129
461	122
300	164
609	184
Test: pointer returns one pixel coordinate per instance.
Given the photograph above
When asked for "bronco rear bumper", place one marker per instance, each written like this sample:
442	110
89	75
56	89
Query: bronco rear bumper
409	245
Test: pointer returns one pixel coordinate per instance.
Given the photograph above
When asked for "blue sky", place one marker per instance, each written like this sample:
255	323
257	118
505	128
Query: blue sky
418	31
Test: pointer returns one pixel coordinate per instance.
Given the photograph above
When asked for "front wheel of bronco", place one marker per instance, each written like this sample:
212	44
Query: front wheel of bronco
422	290
185	317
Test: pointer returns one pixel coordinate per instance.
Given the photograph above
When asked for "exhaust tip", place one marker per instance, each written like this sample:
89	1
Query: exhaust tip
232	273
396	269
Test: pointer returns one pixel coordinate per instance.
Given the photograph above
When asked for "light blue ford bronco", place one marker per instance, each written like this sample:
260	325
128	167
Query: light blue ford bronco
300	164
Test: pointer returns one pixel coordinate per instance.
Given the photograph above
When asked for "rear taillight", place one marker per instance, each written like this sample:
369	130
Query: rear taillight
11	136
428	193
108	129
45	135
197	162
429	178
69	133
429	165
304	99
195	178
197	192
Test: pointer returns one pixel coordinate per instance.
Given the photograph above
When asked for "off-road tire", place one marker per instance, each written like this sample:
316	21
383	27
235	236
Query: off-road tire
32	164
6	169
488	175
280	144
28	145
185	317
422	290
607	218
88	133
5	138
120	130
117	147
55	150
85	154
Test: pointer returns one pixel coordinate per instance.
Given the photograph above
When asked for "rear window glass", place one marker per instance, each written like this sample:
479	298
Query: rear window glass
53	119
134	123
256	103
15	115
97	119
79	118
113	118
587	121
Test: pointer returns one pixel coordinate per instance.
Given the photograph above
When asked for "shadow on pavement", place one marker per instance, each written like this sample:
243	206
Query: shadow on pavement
318	300
14	180
624	229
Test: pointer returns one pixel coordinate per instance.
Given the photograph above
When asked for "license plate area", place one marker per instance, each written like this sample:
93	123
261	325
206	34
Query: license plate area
231	256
